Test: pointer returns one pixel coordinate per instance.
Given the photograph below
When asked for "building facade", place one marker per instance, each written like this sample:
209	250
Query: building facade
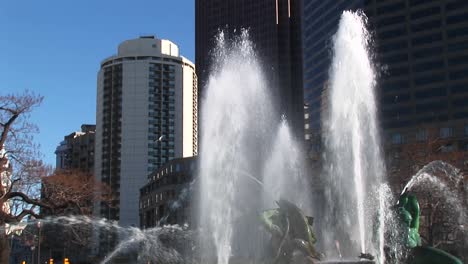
275	30
423	47
167	197
76	151
320	20
146	116
421	53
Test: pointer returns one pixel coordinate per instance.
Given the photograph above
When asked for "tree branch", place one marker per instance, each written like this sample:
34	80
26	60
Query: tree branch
26	199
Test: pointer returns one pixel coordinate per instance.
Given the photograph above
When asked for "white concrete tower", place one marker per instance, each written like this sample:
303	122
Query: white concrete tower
146	116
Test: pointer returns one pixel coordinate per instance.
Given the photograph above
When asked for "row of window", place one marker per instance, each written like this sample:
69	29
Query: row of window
423	135
132	58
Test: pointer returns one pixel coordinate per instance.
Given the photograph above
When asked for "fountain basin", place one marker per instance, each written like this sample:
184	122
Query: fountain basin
352	261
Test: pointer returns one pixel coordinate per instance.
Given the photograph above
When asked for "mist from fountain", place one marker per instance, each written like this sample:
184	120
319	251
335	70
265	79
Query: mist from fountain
163	244
354	167
441	181
284	172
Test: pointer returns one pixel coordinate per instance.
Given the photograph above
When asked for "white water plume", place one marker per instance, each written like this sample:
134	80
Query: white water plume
355	166
235	121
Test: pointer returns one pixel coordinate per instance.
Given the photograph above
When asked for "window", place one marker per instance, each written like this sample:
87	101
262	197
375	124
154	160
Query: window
399	6
456	4
394	33
460	102
466	130
459	88
457	46
457	19
428	52
457	75
447	148
457	33
427	66
391	21
425	12
429	79
446	132
427	39
426	25
458	60
421	135
428	93
395	58
397	138
398	71
402	44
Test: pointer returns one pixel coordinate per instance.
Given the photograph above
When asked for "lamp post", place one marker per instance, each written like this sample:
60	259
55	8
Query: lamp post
39	243
32	254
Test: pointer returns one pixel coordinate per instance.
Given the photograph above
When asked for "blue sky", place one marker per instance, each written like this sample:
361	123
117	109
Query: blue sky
54	48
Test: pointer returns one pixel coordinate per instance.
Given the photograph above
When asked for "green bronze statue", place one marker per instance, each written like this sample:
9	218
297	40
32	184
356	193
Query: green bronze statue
409	213
291	232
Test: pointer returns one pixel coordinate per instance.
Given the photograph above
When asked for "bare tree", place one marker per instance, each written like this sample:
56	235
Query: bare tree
26	189
73	192
20	166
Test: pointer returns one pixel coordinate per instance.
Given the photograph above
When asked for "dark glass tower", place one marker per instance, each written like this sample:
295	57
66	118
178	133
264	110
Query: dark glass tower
423	46
421	49
321	20
275	29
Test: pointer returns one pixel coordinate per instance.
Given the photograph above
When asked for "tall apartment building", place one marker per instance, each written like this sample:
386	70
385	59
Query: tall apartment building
76	151
275	30
146	116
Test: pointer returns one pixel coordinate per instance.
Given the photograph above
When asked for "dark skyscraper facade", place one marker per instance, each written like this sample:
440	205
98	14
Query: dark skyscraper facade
422	47
321	20
275	30
420	51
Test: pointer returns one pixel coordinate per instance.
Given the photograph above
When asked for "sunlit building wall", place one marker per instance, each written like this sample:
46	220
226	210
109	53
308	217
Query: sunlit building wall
146	116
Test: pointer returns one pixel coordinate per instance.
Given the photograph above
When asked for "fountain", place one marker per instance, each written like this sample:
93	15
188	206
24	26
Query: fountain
237	123
355	168
238	132
284	173
235	116
255	198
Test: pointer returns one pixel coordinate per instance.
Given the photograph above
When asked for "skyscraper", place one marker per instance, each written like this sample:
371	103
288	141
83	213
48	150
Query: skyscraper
275	30
321	20
76	151
422	45
146	115
421	53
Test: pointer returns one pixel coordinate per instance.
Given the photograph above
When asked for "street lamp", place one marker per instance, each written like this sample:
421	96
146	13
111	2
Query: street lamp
39	243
